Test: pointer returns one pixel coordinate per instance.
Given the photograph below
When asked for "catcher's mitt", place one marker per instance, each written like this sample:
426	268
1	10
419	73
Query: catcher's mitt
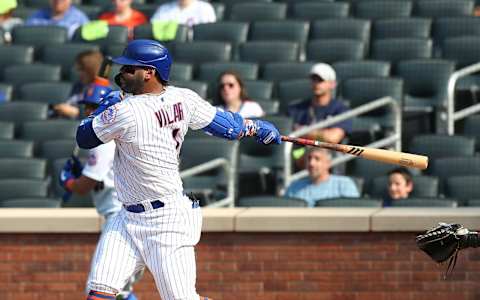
444	241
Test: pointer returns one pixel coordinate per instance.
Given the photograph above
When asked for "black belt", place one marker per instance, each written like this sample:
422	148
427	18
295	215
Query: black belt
139	208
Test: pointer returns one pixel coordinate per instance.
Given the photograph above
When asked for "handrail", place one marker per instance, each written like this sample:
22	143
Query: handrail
375	104
453	115
229	167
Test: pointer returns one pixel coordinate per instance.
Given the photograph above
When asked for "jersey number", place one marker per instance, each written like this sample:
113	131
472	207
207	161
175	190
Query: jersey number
175	136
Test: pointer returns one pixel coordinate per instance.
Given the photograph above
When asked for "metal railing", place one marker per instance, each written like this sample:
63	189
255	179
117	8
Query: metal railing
230	168
453	115
394	139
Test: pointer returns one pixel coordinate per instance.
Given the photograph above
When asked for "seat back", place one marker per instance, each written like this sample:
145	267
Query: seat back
443	8
46	92
402	28
31	202
398	49
18	75
7	130
202	52
15	148
288	30
425	202
423	186
355	29
20	188
438	146
349	202
212	70
181	71
271	201
231	32
64	55
269	51
364	68
463	51
334	50
40	131
382	9
15	55
19	112
258	11
312	11
280	71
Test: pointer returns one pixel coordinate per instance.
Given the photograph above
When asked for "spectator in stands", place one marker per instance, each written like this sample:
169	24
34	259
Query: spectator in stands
7	21
124	15
87	65
232	96
321	184
400	185
321	106
186	12
60	13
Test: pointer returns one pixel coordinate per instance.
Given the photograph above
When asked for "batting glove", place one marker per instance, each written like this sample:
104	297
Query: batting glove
265	132
66	176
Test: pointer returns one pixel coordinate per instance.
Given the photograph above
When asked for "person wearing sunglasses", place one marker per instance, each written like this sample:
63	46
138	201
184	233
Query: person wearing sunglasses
232	96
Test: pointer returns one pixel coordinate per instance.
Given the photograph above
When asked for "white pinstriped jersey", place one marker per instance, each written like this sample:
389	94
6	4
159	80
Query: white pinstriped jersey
148	130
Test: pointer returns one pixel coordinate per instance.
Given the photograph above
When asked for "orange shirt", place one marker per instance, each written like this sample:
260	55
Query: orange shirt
136	19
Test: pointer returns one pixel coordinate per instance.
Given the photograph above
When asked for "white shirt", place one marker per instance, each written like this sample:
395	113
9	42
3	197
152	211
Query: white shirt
196	13
249	109
148	131
99	167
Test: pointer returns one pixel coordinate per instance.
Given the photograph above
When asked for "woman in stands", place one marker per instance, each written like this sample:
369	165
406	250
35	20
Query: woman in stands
124	15
232	96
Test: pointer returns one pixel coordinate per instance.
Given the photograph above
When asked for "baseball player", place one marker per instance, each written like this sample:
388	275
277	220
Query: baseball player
97	175
159	226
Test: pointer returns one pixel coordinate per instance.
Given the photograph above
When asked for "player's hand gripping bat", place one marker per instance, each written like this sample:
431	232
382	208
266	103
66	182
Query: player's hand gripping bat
387	156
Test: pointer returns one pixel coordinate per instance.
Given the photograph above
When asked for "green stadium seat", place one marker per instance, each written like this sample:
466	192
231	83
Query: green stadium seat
20	188
269	106
374	10
362	68
473	202
52	150
425	202
402	28
271	201
470	128
369	169
24	168
6	91
439	146
114	50
341	29
258	11
334	50
292	90
30	203
39	36
18	75
181	71
455	166
423	186
259	89
19	112
7	130
312	11
398	49
348	202
279	71
65	55
199	87
464	51
146	32
46	92
15	148
231	32
263	52
40	131
15	55
212	70
202	52
288	30
449	27
443	8
23	12
116	35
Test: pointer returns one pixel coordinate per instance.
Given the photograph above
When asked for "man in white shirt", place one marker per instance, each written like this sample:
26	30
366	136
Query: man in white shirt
186	12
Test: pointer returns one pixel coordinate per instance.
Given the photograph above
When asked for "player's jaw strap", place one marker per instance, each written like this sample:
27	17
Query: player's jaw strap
230	125
94	295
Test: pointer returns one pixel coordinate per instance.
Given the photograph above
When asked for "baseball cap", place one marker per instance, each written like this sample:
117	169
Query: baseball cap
7	5
324	71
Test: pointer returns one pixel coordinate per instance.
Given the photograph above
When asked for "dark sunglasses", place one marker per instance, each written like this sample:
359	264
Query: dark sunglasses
229	84
131	69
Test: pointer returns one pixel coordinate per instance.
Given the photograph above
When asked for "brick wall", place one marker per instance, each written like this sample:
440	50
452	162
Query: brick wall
269	266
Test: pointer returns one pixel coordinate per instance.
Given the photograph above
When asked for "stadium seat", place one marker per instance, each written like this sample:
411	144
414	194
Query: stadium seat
199	87
39	36
20	188
15	148
258	11
425	202
65	55
21	74
269	106
402	28
31	202
463	187
271	201
470	128
40	131
116	35
443	8
212	70
259	89
181	71
23	12
288	30
463	51
425	82
473	202
423	186
19	112
334	50
231	32
114	50
228	4
146	32
280	71
374	10
202	52
6	130
291	90
455	166
398	49
439	146
46	92
448	27
312	11
263	52
354	29
52	150
219	9
348	202
362	68
368	169
15	55
6	91
24	168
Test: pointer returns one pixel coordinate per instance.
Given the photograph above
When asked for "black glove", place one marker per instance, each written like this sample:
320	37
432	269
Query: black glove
444	241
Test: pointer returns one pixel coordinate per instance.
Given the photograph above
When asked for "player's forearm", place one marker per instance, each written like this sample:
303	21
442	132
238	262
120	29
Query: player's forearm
82	185
86	137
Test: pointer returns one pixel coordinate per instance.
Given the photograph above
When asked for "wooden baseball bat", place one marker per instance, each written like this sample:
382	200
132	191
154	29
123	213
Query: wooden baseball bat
387	156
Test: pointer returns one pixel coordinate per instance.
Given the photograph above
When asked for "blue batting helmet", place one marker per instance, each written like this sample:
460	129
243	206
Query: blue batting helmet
94	94
147	53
